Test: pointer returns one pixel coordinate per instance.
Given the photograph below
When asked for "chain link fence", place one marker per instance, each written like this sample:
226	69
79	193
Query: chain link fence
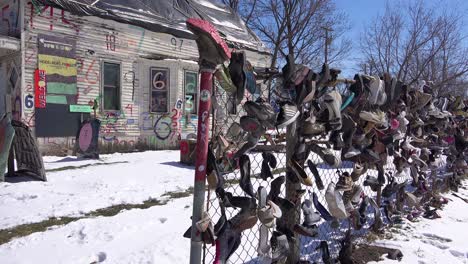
225	113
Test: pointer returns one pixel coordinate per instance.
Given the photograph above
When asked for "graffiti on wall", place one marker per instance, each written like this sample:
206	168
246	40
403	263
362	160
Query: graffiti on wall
165	126
9	19
53	16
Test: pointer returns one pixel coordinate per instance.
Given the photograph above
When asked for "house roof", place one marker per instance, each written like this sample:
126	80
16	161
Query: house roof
167	17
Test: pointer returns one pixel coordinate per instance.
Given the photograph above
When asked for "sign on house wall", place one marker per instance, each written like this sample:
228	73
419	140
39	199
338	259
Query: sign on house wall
57	57
40	88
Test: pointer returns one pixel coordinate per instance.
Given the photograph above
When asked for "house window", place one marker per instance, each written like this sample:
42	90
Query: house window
111	81
191	91
159	84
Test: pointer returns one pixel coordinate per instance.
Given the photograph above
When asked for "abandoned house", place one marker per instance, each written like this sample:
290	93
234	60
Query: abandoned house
129	64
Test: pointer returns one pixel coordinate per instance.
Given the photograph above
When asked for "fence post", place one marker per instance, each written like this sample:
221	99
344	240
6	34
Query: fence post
204	102
292	218
212	51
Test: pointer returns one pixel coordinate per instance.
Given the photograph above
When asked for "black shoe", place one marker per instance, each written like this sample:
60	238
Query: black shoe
245	183
316	174
275	187
236	70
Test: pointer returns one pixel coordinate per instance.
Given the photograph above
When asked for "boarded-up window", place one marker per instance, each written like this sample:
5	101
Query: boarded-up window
111	86
159	83
191	91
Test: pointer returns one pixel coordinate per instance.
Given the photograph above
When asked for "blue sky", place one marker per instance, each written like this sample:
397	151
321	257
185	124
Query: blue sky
360	12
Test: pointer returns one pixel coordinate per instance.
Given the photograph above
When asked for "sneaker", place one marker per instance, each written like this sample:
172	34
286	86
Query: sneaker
246	218
321	209
250	124
270	158
262	111
250	143
391	188
312	129
345	182
224	79
288	72
420	100
412	200
363	210
315	173
326	155
395	91
408	147
377	92
335	202
310	217
311	88
263	243
236	70
309	231
245	183
234	132
227	243
324	76
280	247
353	196
336	139
351	152
214	177
298	170
333	102
265	171
394	124
269	213
301	72
204	222
378	223
250	82
372	182
287	115
275	187
358	170
378	117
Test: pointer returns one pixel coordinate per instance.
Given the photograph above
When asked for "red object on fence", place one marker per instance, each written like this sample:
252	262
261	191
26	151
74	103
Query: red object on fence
203	124
40	89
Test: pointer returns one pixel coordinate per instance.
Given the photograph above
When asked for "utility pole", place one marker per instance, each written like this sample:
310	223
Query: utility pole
327	42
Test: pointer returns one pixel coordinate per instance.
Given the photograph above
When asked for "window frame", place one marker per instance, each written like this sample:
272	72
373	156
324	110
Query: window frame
103	62
197	91
168	89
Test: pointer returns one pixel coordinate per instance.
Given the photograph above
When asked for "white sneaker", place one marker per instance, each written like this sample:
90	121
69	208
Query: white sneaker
352	151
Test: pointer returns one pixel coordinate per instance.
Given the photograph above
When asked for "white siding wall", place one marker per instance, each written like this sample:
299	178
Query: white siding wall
136	49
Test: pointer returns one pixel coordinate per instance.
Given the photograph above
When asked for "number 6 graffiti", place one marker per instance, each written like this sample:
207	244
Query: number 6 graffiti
29	101
162	129
157	83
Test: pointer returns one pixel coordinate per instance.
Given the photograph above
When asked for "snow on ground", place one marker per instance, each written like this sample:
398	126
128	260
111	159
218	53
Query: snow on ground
152	235
442	240
77	191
